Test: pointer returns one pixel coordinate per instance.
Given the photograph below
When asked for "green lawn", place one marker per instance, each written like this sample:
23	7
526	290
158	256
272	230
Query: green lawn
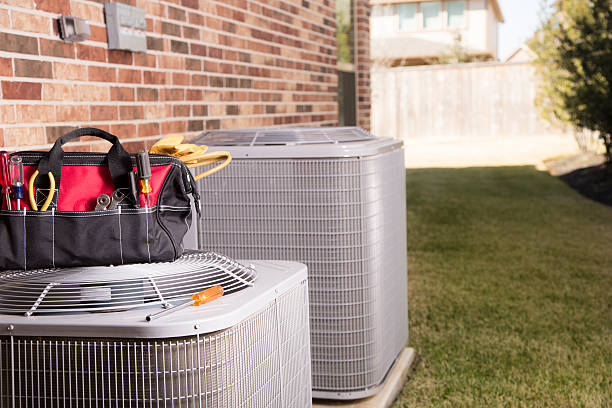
510	291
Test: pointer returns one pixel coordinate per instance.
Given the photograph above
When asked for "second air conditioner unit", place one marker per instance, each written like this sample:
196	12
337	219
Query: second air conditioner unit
333	198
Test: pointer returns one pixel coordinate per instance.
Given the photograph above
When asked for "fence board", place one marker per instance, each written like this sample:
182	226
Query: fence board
449	102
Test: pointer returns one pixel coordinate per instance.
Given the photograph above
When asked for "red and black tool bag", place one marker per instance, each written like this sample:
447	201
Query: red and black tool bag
72	233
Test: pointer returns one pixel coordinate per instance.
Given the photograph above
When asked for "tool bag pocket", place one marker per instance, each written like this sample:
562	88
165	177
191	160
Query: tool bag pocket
71	232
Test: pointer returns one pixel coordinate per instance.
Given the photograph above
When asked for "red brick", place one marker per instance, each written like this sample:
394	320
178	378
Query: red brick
132	76
6	67
154	77
33	69
18	43
130	112
178	126
196	19
133	147
103	112
176	14
72	72
145	60
195	125
121	94
21	90
173	94
56	48
24	136
30	22
181	110
98	34
199	80
91	53
7	114
89	12
198	49
148	129
120	57
192	64
54	6
191	33
93	93
194	4
194	95
199	110
35	113
124	131
5	19
170	29
180	79
101	74
60	92
147	94
72	113
55	132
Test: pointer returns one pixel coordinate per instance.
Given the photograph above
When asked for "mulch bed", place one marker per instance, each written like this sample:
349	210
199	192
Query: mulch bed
586	173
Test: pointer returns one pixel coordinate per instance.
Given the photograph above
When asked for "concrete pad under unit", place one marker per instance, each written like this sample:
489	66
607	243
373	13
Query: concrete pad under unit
393	385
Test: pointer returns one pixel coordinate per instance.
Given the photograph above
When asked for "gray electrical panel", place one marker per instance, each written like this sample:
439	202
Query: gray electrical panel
126	27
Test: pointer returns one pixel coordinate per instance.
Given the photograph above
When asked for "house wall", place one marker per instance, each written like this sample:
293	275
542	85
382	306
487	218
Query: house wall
210	64
479	36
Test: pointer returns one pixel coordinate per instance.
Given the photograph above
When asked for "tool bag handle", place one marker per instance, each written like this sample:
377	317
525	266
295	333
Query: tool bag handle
119	160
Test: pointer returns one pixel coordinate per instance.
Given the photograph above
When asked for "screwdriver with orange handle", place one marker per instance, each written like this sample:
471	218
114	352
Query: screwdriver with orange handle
199	299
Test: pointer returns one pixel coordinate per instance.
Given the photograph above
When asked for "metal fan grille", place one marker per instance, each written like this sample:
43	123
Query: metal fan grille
264	361
345	219
284	136
108	289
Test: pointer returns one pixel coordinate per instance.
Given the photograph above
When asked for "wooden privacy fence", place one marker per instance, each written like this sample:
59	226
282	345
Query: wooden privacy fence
462	101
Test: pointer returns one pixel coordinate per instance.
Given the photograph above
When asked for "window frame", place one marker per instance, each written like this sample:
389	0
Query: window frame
465	15
416	18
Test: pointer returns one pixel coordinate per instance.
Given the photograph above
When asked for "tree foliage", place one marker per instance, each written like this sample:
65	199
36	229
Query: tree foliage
574	63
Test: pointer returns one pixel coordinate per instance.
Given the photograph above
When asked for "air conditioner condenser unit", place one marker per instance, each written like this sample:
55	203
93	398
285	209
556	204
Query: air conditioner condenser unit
334	199
79	338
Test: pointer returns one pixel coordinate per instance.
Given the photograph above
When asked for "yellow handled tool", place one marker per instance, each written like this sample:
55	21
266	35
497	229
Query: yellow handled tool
32	192
203	297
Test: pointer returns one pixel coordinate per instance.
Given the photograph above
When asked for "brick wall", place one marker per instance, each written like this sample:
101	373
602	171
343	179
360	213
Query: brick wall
210	64
362	40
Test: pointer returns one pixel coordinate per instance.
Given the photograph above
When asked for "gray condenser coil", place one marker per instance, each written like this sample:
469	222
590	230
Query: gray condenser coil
334	199
78	337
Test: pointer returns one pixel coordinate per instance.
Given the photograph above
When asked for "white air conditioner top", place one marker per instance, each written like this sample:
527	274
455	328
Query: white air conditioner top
298	142
273	279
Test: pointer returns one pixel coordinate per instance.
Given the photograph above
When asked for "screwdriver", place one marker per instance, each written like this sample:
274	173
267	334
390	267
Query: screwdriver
16	165
143	165
6	178
205	296
134	188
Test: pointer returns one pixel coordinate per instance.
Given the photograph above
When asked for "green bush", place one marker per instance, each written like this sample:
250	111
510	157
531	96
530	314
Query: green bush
574	65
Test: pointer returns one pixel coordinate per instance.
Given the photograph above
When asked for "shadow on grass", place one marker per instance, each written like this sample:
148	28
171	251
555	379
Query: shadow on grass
594	182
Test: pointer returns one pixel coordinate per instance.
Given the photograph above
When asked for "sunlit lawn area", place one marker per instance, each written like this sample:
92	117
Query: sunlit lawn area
510	291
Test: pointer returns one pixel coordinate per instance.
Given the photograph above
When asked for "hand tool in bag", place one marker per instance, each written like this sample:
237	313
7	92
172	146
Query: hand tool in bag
143	164
116	199
205	296
102	202
32	192
6	179
133	177
16	168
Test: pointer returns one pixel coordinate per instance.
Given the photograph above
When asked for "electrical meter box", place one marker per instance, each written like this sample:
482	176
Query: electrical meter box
126	27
